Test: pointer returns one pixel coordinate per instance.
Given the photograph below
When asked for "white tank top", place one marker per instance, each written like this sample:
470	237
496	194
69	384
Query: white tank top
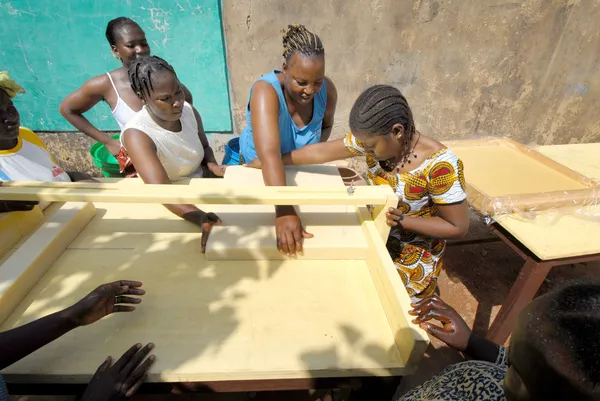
122	112
179	152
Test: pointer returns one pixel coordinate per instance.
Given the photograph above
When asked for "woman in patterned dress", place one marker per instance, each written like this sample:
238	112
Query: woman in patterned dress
427	177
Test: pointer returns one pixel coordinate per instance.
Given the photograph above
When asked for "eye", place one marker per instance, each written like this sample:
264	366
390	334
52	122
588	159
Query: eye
301	83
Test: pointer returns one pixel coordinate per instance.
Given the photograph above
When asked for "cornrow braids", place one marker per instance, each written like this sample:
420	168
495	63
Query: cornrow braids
377	110
141	70
299	39
114	25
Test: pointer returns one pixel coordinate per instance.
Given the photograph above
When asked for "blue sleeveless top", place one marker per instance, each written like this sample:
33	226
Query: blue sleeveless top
291	136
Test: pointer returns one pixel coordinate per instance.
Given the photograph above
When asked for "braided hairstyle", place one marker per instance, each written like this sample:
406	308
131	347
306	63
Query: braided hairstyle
299	39
141	71
116	24
377	110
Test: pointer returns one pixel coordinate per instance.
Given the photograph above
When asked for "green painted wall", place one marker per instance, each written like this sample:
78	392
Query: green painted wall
51	47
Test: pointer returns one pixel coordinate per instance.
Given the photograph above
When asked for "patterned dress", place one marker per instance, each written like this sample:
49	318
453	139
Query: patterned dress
464	381
439	180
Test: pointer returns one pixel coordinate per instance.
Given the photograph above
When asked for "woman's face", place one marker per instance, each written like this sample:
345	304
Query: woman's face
167	97
304	76
382	147
9	117
130	44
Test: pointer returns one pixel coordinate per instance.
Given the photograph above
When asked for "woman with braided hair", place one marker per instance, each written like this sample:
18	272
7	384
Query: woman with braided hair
165	141
427	177
287	110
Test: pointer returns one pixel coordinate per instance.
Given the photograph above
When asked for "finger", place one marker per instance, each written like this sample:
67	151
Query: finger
135	380
211	217
137	359
121	299
392	217
105	365
291	236
433	300
306	234
394	212
391	223
123	308
285	239
135	291
129	283
204	238
437	332
434	314
297	235
127	356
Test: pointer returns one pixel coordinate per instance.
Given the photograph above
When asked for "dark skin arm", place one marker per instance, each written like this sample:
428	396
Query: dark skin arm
265	130
454	331
317	153
82	100
17	343
209	157
452	222
328	118
143	155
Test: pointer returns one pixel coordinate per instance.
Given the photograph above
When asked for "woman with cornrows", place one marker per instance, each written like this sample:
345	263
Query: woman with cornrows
287	110
425	175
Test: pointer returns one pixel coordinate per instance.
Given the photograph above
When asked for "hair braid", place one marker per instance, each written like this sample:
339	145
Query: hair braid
299	39
141	70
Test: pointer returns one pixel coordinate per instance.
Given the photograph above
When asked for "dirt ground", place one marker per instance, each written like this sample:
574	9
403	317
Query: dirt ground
476	280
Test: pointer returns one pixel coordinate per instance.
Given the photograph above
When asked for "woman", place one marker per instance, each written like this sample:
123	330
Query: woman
289	109
427	177
165	141
23	156
127	42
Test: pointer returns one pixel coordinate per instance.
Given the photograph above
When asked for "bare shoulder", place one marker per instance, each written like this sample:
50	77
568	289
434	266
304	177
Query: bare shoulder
97	85
429	145
136	138
263	92
330	86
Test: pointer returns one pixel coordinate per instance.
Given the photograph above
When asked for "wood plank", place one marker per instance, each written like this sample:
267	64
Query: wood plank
581	157
22	270
214	192
249	233
14	226
410	339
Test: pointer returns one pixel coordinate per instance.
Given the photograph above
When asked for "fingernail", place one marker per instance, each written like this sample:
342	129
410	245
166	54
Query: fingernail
138	345
150	345
151	357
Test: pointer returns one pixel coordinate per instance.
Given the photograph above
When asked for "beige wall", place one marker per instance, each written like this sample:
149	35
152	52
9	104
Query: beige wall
526	69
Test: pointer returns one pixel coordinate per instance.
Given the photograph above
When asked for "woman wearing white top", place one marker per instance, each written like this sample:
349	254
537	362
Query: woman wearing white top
165	141
127	42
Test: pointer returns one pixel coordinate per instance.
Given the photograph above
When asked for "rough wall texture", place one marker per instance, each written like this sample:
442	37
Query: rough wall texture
525	69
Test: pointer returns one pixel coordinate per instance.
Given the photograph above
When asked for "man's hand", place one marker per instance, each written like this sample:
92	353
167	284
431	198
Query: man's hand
104	300
121	380
454	330
289	231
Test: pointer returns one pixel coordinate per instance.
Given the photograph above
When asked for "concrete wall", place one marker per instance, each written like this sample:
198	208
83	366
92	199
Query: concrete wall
526	69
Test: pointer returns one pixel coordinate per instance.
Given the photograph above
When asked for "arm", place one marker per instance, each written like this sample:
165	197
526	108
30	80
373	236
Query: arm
19	342
187	94
318	153
143	155
209	156
452	222
328	119
454	330
81	101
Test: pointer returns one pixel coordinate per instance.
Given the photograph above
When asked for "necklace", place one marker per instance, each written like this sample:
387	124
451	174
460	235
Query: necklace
406	158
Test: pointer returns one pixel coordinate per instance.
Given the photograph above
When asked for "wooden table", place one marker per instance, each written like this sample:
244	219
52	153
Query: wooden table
548	239
220	325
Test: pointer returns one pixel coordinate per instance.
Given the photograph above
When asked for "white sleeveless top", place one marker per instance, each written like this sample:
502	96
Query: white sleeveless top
179	152
122	112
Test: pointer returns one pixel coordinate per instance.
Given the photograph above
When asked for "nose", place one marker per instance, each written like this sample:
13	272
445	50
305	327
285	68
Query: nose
178	103
310	90
140	49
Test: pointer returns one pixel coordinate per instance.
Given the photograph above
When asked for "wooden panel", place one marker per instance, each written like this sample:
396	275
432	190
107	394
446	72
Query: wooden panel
581	157
503	175
14	226
248	231
22	270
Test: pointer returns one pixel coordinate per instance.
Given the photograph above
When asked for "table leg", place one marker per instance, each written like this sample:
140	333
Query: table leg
528	283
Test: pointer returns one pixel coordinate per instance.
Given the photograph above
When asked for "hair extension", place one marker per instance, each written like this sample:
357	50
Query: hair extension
141	70
299	39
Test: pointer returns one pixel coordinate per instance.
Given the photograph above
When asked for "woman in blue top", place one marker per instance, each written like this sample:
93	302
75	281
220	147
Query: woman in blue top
287	110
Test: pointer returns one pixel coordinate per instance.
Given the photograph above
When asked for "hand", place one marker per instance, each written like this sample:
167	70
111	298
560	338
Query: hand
289	231
393	217
218	170
207	222
121	380
113	146
454	330
255	163
104	300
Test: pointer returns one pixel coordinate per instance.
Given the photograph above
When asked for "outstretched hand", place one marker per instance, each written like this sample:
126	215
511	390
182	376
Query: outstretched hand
104	300
454	330
120	381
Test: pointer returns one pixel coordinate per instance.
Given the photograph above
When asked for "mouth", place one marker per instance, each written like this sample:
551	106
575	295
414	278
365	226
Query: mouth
306	98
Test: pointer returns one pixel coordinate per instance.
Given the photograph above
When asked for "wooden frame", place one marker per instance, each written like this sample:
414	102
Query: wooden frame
410	340
525	202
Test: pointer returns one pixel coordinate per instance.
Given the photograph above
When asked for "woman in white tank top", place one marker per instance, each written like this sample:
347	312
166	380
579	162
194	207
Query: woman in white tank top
165	141
127	42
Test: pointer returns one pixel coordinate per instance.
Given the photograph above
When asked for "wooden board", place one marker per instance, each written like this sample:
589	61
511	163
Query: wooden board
21	271
248	231
14	226
503	175
581	157
212	320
